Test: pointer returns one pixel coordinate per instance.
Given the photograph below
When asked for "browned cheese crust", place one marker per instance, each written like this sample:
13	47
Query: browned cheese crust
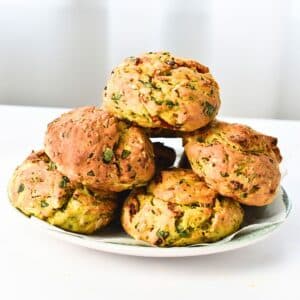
236	161
92	147
159	90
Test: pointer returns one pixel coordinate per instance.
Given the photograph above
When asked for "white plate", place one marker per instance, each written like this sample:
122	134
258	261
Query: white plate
260	223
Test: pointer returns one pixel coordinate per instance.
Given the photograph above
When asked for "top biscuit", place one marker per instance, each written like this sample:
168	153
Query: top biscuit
158	90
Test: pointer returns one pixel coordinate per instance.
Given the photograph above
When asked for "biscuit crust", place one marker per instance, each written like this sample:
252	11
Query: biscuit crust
159	90
91	146
178	209
236	161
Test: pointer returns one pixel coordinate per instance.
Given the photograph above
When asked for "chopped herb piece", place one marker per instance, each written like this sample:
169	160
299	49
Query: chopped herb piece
116	96
181	181
21	188
63	183
162	234
90	173
51	166
125	153
195	205
107	155
239	170
224	174
183	233
170	104
254	189
148	84
244	195
208	109
200	139
91	155
44	203
191	86
158	102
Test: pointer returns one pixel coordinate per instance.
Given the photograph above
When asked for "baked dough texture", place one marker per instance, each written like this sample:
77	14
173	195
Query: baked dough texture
176	209
38	189
159	90
236	161
93	147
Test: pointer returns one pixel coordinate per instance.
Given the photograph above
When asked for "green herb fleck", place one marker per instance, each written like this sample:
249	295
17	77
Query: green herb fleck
208	109
116	96
200	139
191	86
21	188
195	205
90	173
254	189
224	174
51	166
158	102
125	153
162	234
44	203
170	104
239	170
107	155
183	233
63	183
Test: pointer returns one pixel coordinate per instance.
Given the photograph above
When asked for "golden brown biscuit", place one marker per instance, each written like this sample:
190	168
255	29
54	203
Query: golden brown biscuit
92	147
177	209
157	89
236	161
38	189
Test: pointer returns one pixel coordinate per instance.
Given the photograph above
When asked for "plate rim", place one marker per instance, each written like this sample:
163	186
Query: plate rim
145	251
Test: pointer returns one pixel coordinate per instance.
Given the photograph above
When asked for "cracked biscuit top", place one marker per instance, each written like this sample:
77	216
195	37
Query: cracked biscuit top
236	161
157	89
93	147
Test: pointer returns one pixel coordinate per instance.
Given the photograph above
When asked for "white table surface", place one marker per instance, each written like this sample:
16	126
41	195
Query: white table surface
34	265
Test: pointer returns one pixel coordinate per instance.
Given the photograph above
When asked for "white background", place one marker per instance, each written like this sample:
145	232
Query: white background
60	52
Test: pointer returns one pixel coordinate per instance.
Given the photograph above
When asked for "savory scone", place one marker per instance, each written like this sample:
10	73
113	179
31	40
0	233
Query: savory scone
38	189
91	146
236	161
160	90
177	208
164	156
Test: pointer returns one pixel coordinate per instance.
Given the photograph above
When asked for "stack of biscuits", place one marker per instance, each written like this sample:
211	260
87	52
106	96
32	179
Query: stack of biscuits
99	163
